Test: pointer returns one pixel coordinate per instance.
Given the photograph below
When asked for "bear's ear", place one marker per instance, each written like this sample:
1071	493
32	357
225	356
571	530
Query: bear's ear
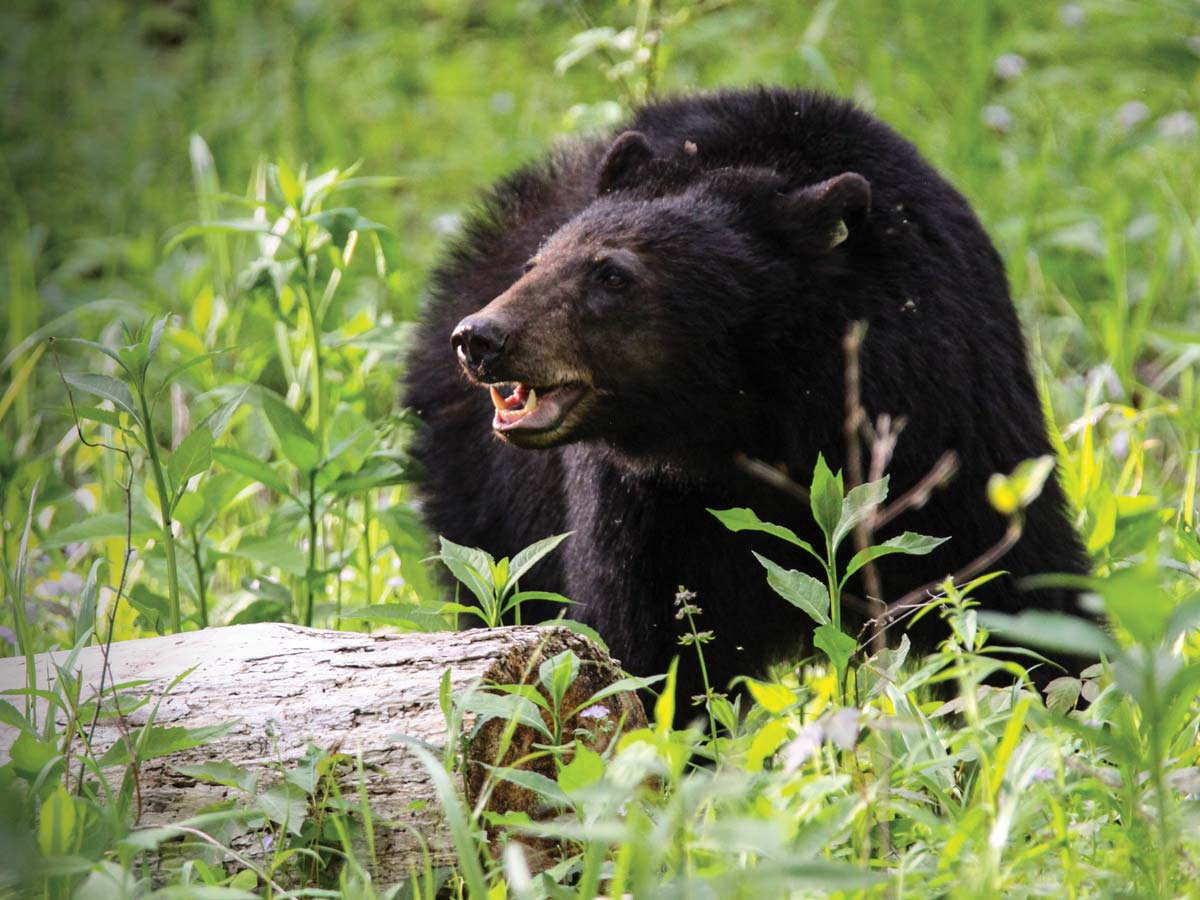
822	215
629	151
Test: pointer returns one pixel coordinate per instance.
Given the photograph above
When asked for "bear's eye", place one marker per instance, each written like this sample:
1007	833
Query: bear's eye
611	277
527	267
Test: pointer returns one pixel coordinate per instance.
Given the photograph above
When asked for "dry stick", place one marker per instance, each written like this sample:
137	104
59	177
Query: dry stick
916	600
770	475
883	442
882	445
918	495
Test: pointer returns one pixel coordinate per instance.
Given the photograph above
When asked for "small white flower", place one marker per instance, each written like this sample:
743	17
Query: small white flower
1178	125
1132	113
447	223
502	103
595	712
998	118
1072	15
1009	66
803	746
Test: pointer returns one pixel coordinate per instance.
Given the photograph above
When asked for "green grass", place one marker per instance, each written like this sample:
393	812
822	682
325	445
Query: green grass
263	432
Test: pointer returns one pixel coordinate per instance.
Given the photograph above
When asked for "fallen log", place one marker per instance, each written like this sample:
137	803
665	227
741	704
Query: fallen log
286	689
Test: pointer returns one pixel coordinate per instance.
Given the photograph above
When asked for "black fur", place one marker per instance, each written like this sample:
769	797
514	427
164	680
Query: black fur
730	342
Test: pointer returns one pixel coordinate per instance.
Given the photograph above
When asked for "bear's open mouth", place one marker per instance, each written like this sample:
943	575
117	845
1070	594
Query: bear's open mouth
530	409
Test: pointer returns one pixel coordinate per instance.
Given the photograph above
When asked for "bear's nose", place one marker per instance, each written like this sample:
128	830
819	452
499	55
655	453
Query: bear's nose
478	342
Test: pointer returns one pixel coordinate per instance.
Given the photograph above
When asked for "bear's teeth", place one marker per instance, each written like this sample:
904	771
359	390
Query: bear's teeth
498	401
531	402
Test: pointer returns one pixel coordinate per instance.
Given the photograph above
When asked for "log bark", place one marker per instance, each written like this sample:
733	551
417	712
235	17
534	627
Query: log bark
287	688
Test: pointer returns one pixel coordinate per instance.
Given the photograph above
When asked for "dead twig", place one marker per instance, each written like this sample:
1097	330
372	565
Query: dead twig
916	600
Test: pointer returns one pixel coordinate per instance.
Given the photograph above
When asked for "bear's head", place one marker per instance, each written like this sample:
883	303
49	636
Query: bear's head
660	315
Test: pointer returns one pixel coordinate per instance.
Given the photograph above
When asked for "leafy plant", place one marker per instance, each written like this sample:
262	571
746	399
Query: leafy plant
495	584
836	512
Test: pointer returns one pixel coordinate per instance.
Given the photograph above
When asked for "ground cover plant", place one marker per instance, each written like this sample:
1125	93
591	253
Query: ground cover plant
219	216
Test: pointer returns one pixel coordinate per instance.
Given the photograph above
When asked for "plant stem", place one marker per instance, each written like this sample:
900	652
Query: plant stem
367	546
164	505
203	594
311	572
314	324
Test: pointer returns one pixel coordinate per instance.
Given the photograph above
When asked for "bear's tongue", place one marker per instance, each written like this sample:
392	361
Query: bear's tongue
524	409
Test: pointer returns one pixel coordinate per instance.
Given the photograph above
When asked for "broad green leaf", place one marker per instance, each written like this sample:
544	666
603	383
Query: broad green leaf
620	686
860	502
409	616
767	739
156	336
102	527
513	601
289	186
245	464
189	509
107	351
136	359
105	387
90	414
11	716
469	565
245	880
190	364
526	559
835	644
1137	602
220	771
284	804
191	457
557	674
59	824
30	756
278	550
909	543
376	472
548	790
802	591
295	439
826	493
664	706
1063	693
1050	631
351	437
340	222
741	519
774	698
585	769
221	226
263	609
153	609
85	619
155	740
507	707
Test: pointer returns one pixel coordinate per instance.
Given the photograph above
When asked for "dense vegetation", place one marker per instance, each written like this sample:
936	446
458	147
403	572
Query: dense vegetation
218	220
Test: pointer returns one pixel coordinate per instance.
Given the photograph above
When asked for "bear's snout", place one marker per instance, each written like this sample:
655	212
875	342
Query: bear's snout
479	342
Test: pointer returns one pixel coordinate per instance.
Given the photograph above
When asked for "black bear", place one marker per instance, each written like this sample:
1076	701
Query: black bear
617	323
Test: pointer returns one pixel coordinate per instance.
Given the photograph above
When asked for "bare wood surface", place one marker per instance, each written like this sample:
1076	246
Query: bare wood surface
288	687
